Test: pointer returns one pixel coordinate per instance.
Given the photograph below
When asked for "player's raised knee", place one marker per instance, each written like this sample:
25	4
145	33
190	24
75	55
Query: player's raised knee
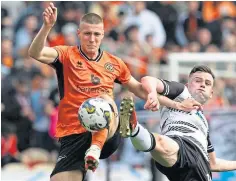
165	145
111	102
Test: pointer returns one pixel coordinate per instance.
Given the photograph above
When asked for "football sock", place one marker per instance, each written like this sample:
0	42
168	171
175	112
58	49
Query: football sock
142	139
99	138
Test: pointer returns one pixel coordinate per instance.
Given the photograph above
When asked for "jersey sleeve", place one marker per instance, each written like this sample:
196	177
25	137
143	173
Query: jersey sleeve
172	89
210	147
124	75
62	55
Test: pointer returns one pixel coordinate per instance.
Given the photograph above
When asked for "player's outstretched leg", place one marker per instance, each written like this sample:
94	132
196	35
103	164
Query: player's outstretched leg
163	149
99	138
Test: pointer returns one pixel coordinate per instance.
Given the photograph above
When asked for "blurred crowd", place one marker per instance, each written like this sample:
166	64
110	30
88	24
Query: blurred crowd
141	33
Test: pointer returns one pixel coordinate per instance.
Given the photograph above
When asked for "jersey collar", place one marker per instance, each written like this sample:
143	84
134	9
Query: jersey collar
100	52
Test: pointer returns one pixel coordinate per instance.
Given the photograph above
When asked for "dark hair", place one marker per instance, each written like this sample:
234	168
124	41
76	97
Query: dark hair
202	68
91	18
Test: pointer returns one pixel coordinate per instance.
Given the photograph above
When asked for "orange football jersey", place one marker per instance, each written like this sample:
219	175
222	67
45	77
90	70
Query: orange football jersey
80	78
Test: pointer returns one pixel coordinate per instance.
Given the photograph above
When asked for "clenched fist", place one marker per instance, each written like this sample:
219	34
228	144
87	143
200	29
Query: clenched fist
50	15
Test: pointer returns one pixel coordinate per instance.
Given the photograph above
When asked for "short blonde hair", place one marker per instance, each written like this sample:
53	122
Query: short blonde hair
91	18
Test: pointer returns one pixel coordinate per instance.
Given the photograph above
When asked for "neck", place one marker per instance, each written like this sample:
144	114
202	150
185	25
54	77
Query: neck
90	55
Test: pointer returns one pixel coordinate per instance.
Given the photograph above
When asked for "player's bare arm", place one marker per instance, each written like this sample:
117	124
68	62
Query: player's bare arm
136	87
37	49
154	86
150	94
219	165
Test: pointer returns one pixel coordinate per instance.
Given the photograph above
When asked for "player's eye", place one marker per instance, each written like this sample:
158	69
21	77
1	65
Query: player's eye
208	83
97	34
87	33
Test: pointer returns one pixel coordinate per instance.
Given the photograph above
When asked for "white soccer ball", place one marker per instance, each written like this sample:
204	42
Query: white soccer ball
95	114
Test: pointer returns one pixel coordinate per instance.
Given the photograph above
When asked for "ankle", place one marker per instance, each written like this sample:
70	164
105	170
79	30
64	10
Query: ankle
143	140
95	147
135	130
134	122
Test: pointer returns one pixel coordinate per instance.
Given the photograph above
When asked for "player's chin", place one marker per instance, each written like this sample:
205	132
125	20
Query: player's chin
201	97
92	50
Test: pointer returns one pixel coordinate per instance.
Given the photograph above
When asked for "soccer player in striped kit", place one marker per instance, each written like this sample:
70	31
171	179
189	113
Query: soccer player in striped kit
183	151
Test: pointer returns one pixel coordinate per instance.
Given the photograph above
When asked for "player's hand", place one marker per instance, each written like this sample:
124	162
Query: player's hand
188	105
152	102
50	15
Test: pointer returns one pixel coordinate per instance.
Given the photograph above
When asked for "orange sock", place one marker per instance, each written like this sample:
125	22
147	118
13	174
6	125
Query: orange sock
99	138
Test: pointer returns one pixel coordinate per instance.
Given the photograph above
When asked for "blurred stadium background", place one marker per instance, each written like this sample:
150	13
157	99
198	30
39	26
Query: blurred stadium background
162	39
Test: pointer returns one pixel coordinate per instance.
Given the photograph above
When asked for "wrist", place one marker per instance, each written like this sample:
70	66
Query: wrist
177	105
47	27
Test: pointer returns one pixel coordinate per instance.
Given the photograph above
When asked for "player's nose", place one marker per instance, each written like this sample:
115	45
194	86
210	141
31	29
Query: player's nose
203	85
92	38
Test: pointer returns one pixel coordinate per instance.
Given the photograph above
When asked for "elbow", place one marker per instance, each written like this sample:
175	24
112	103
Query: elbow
213	166
145	79
148	81
32	54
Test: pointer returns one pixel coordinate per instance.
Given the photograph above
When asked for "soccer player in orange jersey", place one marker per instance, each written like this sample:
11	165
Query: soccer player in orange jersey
83	72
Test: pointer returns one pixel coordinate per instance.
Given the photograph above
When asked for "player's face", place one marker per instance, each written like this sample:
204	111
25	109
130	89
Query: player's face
201	86
90	36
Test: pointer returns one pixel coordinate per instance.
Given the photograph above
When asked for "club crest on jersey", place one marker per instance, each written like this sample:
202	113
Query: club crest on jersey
95	80
108	66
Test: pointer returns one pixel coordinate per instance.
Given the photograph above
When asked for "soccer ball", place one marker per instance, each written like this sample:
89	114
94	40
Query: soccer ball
95	114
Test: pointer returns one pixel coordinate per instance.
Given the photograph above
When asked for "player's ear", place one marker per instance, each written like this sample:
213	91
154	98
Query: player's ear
186	84
78	31
211	94
103	34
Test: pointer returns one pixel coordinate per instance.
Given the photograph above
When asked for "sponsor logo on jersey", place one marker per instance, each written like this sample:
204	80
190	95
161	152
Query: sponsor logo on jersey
95	80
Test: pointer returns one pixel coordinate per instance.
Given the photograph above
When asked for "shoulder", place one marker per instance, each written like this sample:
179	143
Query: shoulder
111	57
174	89
184	94
65	47
66	51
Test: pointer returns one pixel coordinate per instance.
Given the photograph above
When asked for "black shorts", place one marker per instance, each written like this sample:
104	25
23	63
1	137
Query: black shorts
73	148
190	166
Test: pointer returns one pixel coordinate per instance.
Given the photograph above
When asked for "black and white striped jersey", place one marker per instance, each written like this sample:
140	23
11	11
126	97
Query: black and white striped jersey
191	125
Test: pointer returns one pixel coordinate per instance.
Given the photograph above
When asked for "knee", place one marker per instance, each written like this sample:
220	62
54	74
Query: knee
166	151
53	179
110	101
166	145
56	177
114	117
